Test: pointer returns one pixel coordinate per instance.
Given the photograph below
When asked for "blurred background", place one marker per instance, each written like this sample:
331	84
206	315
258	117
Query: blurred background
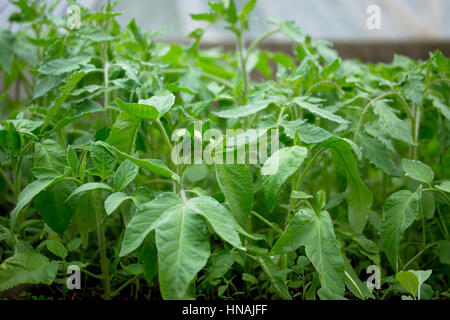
409	27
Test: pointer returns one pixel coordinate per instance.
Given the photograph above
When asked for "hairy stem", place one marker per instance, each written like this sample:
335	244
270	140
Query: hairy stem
102	246
415	129
240	44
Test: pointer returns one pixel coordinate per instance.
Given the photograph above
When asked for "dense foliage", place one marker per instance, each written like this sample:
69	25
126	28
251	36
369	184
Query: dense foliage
86	176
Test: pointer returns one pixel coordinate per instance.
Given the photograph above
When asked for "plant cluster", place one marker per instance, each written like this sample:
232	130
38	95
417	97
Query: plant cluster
86	177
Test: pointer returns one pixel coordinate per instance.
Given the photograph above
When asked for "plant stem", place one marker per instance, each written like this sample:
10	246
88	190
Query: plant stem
270	224
442	222
106	94
217	79
16	189
256	43
415	130
321	83
299	181
407	265
164	133
424	239
366	108
166	138
418	255
102	246
116	292
240	44
90	274
10	185
17	171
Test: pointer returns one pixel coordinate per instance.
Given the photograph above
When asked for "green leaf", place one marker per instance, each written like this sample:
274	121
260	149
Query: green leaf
331	68
3	134
103	161
307	133
13	139
414	87
326	294
428	204
220	219
132	26
78	110
28	193
57	248
190	80
391	124
409	281
27	268
278	168
88	187
316	233
123	133
45	84
399	212
74	244
378	155
94	35
61	66
441	61
87	89
236	184
153	108
70	84
72	160
248	7
183	250
318	110
49	154
412	280
52	206
161	103
243	111
221	263
153	165
418	171
275	277
360	197
443	108
84	218
202	17
444	251
292	31
125	174
127	84
368	248
147	255
114	201
300	195
145	221
444	186
40	173
355	285
6	49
